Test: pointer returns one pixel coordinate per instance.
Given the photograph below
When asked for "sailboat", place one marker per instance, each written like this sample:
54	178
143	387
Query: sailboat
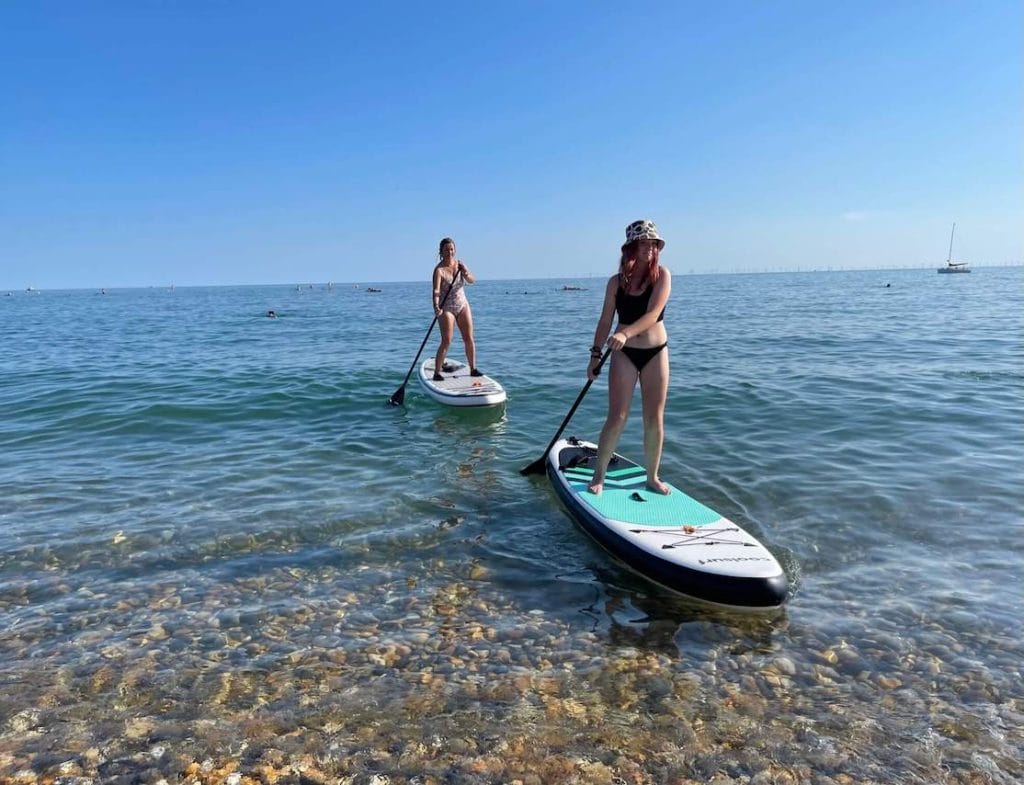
951	266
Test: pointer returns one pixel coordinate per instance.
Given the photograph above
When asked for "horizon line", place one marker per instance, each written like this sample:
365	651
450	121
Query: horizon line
590	276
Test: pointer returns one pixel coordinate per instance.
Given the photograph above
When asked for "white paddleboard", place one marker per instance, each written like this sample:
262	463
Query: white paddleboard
674	540
458	388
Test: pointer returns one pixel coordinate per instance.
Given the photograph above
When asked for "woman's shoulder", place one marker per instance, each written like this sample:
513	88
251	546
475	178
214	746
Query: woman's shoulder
664	283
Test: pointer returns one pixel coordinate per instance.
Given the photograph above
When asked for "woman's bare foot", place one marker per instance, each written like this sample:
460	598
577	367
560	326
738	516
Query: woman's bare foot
656	485
596	487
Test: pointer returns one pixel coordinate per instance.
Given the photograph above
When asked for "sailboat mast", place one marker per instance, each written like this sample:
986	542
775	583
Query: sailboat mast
949	258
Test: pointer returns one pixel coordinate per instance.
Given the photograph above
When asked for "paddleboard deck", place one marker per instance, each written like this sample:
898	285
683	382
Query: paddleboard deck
458	388
672	539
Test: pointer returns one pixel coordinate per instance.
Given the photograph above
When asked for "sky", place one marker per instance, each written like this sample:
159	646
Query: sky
150	143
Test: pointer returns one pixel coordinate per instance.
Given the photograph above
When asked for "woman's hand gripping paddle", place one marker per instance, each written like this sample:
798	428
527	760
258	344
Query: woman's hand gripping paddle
537	467
398	397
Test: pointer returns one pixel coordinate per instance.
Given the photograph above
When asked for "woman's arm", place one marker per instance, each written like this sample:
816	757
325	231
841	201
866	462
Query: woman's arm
659	298
604	325
437	290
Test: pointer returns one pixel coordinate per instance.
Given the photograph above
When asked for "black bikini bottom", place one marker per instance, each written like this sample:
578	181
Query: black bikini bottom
641	356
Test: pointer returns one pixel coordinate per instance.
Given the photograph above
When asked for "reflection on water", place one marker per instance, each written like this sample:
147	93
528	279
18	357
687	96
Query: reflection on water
631	611
471	421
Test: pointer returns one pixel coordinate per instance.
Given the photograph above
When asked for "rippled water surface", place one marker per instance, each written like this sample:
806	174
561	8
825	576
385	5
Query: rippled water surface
223	558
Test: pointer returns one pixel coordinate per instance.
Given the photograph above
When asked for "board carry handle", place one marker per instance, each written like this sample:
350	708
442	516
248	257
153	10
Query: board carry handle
537	467
398	396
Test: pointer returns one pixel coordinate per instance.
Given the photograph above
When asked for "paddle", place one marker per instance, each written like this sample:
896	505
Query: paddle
398	397
537	467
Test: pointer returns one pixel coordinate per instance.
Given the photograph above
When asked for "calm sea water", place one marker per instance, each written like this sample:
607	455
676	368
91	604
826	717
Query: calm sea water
223	557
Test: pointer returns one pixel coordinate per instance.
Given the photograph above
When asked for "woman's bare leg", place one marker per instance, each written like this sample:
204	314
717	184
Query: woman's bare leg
653	392
621	382
447	324
465	322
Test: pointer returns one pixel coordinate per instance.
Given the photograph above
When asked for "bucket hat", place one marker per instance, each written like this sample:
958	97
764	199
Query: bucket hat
643	230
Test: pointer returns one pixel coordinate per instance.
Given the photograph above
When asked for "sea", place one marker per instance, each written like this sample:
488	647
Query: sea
225	558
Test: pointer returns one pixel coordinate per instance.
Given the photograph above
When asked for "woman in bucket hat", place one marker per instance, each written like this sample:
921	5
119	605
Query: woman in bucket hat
637	293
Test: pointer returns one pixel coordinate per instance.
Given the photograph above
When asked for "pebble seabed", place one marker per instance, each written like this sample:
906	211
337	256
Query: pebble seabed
323	676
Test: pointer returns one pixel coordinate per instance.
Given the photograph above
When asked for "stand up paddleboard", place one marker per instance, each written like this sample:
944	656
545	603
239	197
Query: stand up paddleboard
458	388
674	540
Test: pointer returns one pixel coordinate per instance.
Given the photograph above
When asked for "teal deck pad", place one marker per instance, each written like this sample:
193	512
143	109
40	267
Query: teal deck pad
676	509
617	473
634	476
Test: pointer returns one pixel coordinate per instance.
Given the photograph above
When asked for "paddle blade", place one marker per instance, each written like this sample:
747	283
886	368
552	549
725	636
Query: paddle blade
398	398
537	467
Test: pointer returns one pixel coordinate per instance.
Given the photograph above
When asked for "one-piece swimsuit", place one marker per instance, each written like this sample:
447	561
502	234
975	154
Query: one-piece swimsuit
453	303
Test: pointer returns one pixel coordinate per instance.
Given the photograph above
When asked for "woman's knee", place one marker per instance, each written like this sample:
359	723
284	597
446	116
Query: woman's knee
654	423
617	419
654	429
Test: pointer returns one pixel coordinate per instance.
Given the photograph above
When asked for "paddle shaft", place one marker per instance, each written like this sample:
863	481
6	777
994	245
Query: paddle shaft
537	467
399	394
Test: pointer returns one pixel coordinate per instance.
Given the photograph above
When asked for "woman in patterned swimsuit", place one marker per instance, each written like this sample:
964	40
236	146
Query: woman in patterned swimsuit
638	293
452	307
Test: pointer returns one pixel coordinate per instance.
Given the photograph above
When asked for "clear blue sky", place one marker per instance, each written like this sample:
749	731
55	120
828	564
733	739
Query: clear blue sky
149	143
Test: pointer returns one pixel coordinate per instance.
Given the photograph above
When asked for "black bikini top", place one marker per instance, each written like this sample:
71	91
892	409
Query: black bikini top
631	307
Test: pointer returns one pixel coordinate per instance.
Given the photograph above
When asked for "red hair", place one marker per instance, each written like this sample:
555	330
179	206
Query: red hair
628	261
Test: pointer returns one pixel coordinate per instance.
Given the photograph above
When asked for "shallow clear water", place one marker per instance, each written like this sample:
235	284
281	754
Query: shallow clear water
219	547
